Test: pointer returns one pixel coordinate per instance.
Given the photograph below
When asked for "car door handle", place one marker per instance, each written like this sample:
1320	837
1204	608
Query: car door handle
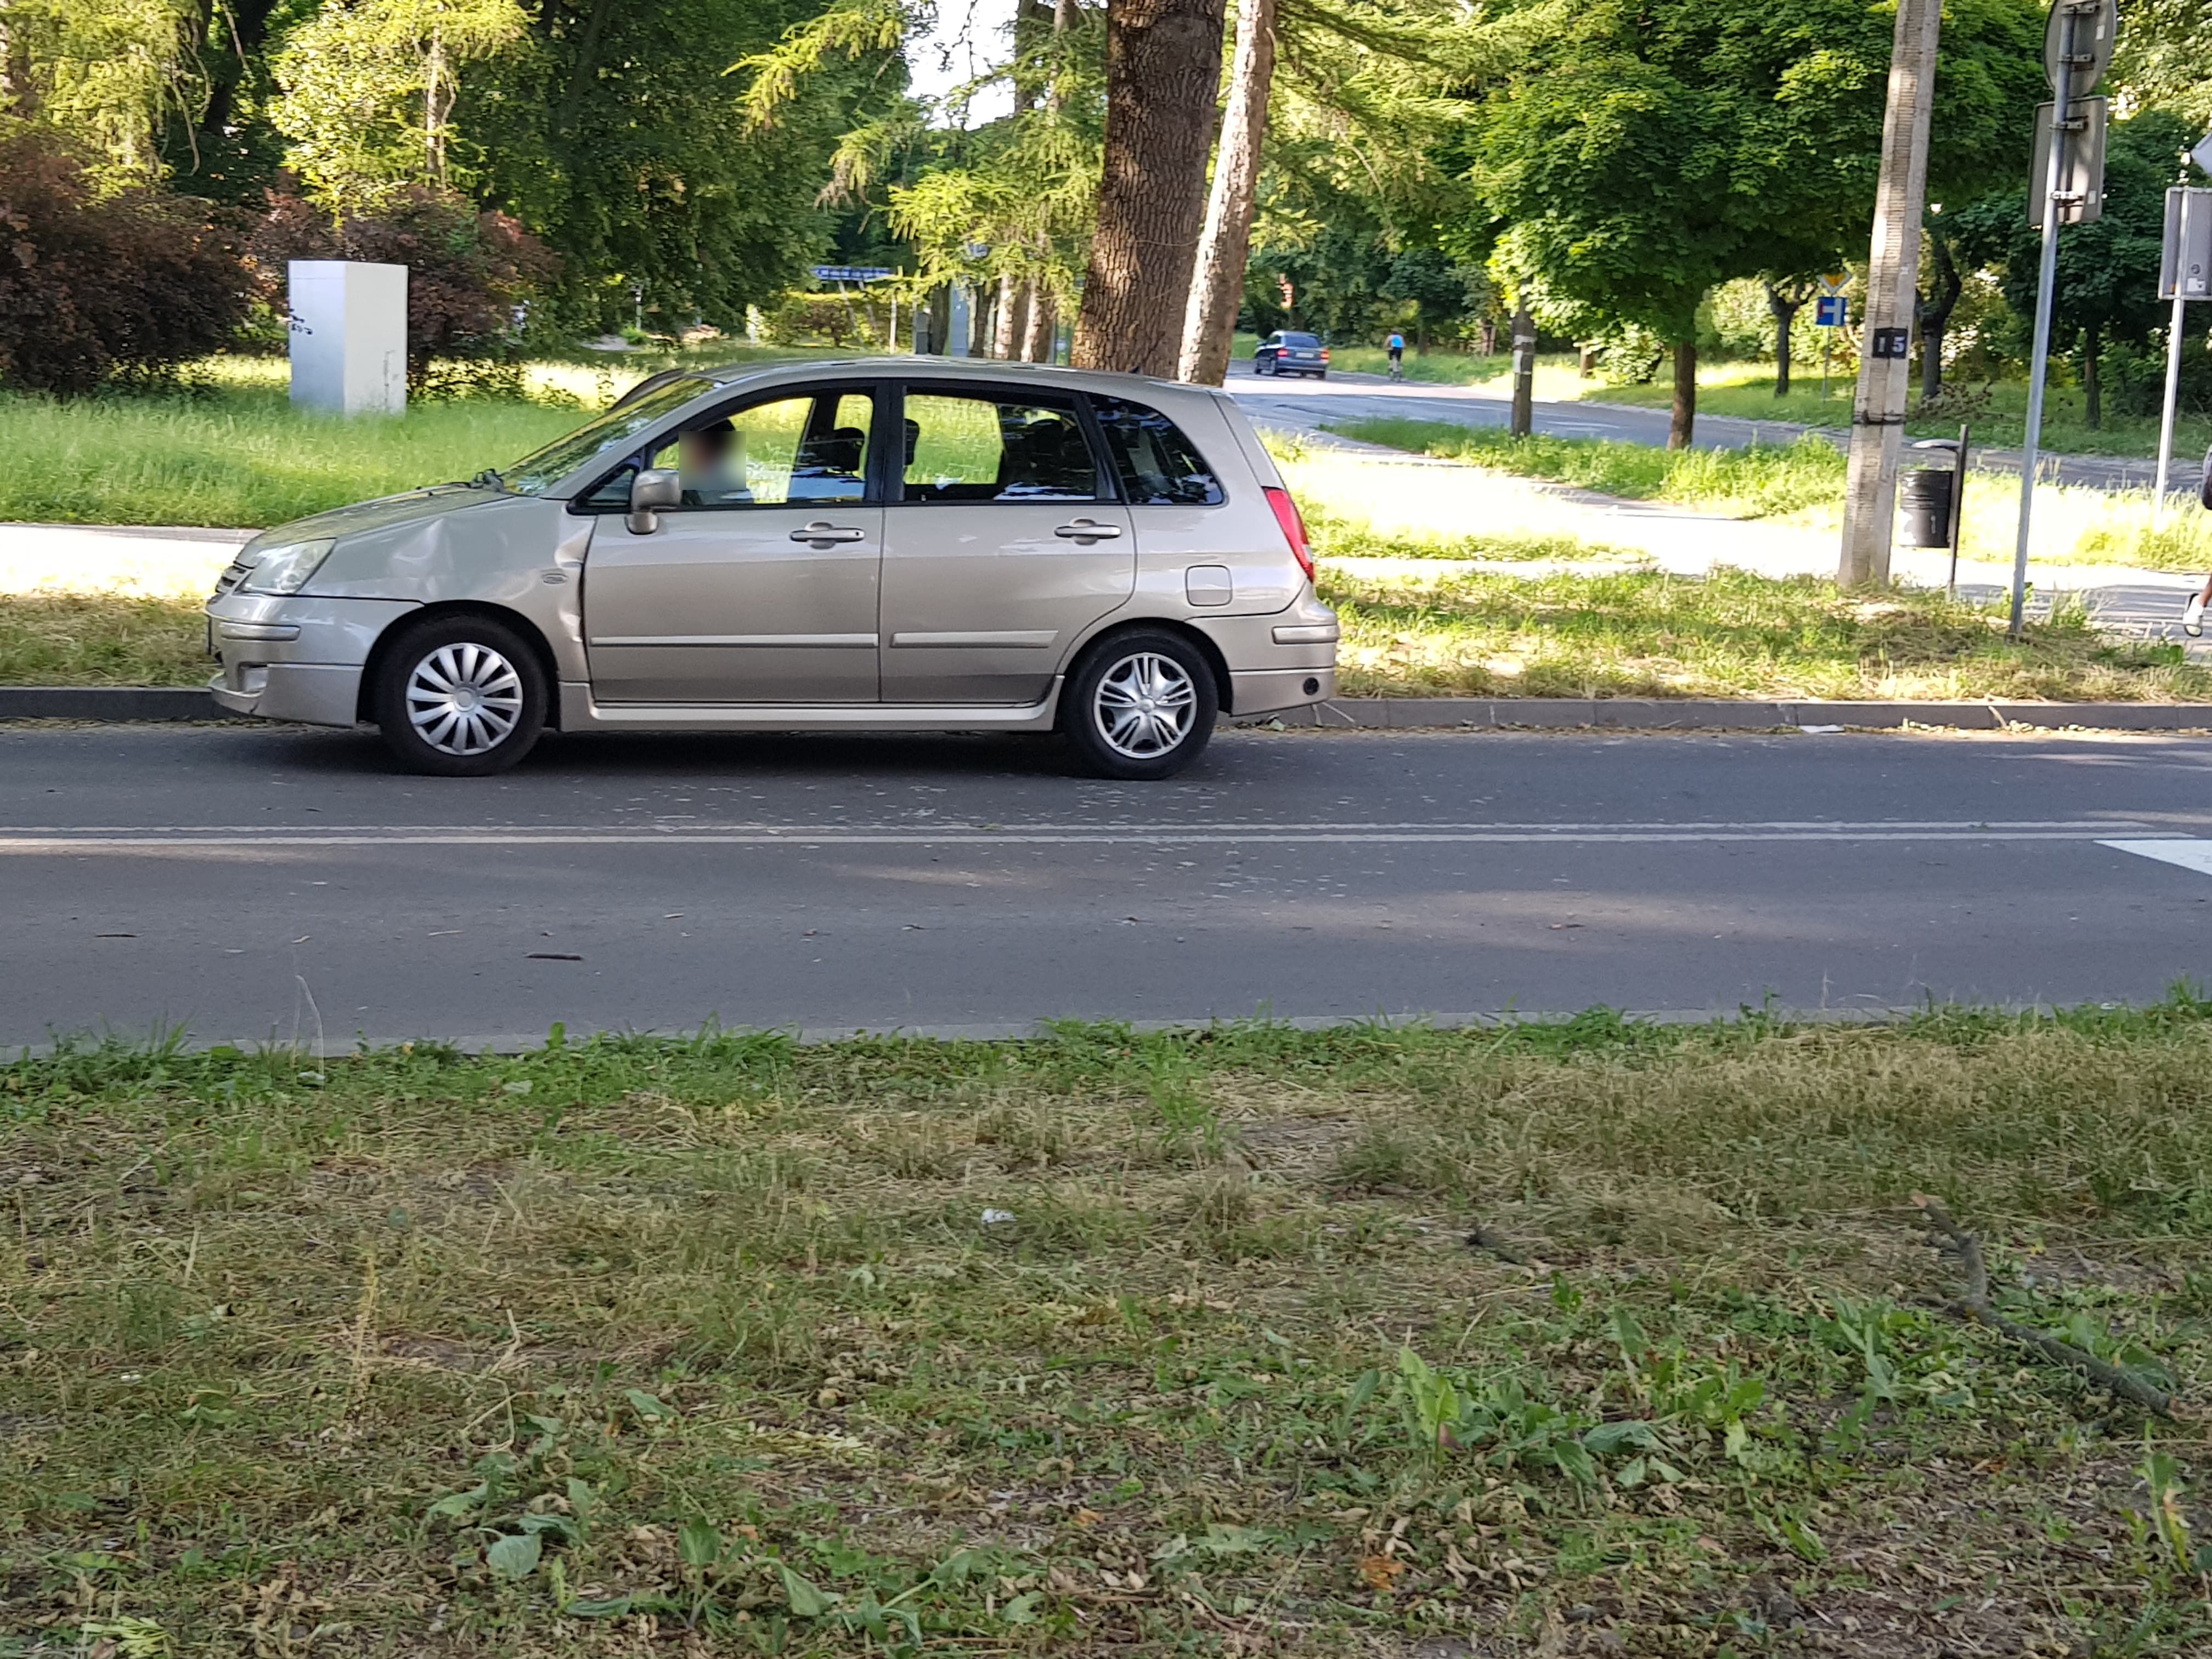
1083	531
822	533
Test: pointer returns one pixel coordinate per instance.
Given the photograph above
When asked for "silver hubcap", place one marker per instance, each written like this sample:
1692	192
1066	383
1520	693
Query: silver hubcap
464	699
1145	705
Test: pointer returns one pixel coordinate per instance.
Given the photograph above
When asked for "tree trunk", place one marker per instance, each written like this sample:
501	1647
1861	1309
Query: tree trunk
1163	76
1007	327
2093	390
1523	420
1489	335
1933	314
1684	425
1044	319
1785	307
1217	285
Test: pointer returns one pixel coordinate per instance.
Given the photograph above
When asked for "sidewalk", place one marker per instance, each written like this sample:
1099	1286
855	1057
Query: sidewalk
146	561
1419	494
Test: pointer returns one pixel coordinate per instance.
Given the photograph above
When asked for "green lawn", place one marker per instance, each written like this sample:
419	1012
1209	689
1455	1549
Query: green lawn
1755	482
1576	1338
1998	412
229	450
1646	634
1804	480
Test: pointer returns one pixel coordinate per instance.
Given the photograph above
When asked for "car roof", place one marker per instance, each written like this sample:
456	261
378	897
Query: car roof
955	368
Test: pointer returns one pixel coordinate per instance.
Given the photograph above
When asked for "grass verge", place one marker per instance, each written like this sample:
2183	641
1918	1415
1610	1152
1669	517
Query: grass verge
1619	633
1998	411
101	639
1647	633
1755	482
227	449
1159	1344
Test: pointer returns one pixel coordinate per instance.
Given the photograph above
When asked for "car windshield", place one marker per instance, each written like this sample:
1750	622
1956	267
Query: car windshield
1298	339
541	469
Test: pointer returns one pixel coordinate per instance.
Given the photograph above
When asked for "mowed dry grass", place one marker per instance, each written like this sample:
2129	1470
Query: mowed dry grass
1111	1343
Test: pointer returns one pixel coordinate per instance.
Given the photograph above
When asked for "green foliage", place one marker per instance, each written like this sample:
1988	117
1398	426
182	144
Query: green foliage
1649	152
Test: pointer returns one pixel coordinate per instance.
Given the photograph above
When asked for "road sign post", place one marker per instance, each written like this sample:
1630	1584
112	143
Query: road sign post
1831	310
2184	273
2077	45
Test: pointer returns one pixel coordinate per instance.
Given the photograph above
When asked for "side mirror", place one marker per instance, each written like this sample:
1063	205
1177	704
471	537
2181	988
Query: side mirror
649	491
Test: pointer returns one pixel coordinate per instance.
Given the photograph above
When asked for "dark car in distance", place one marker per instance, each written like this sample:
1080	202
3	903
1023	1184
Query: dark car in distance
1285	352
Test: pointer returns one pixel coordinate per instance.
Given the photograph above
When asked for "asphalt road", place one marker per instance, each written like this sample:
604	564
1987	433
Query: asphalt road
255	884
1305	405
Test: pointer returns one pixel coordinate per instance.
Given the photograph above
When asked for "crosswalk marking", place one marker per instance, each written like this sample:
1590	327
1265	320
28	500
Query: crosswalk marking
2189	854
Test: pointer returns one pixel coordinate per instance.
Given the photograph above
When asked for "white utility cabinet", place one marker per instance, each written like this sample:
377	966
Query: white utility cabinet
349	336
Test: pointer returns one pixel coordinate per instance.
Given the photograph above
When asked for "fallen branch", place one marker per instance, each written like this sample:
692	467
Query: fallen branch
1490	1239
1976	1305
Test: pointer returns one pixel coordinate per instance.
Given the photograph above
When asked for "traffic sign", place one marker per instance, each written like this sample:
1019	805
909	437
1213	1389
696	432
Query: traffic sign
2080	163
1836	284
2096	23
852	273
2202	154
1831	311
2184	266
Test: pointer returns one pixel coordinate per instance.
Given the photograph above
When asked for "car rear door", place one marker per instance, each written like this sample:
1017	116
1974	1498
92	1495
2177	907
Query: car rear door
1002	542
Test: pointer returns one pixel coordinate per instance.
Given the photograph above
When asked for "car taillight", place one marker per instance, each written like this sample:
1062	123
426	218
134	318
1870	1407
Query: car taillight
1324	354
1294	527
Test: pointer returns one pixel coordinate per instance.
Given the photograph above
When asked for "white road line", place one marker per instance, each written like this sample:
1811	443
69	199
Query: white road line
1153	835
677	826
2189	854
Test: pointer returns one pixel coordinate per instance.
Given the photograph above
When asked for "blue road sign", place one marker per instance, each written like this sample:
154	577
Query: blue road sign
851	273
1831	311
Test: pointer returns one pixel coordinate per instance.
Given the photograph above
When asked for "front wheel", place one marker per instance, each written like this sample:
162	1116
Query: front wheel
460	697
1139	705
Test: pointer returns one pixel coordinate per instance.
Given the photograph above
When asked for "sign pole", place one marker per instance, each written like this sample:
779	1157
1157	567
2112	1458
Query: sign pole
2046	282
1893	280
2173	332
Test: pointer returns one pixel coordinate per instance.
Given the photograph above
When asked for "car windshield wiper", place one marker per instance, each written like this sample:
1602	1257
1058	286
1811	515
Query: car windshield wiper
488	479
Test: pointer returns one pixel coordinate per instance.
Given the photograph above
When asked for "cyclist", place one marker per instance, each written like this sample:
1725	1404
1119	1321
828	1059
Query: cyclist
1397	344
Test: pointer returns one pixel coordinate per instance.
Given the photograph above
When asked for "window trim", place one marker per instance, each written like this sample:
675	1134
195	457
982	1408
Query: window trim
880	389
1107	483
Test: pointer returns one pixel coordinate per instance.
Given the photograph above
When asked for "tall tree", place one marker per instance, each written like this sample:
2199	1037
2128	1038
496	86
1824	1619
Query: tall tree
1650	150
1163	77
2107	271
1216	286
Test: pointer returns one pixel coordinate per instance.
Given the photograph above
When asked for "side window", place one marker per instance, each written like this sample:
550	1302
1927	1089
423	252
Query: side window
1157	465
970	447
805	447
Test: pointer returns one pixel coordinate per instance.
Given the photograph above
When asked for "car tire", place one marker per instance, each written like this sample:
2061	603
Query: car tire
459	697
1139	705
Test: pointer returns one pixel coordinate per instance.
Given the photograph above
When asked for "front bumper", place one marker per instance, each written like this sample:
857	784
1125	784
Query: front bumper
297	657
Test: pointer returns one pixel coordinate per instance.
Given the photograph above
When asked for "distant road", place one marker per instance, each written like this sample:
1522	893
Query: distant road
272	882
1306	405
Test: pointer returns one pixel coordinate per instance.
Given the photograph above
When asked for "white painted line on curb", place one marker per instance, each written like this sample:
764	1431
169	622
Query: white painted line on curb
2188	855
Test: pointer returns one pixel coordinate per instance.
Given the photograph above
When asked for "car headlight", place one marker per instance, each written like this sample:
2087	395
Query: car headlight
285	568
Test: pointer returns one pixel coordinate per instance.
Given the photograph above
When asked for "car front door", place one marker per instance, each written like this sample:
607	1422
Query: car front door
1003	543
763	585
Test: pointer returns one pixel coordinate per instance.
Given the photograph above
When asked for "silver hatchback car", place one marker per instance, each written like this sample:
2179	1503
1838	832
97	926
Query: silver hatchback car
899	545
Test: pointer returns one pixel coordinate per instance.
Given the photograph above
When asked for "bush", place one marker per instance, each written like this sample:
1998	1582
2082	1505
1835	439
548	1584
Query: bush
98	289
808	318
471	276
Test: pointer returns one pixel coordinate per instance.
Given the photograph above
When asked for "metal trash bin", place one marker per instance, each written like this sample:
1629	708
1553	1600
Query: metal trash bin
1925	495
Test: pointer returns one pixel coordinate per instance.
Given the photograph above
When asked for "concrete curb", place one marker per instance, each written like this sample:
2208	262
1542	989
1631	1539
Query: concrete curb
109	702
133	703
1697	714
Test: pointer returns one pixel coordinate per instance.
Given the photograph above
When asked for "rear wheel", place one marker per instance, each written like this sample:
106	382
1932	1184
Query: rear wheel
460	697
1139	705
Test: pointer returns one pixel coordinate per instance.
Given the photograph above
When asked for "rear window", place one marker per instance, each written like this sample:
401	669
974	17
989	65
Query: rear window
1157	465
1300	340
